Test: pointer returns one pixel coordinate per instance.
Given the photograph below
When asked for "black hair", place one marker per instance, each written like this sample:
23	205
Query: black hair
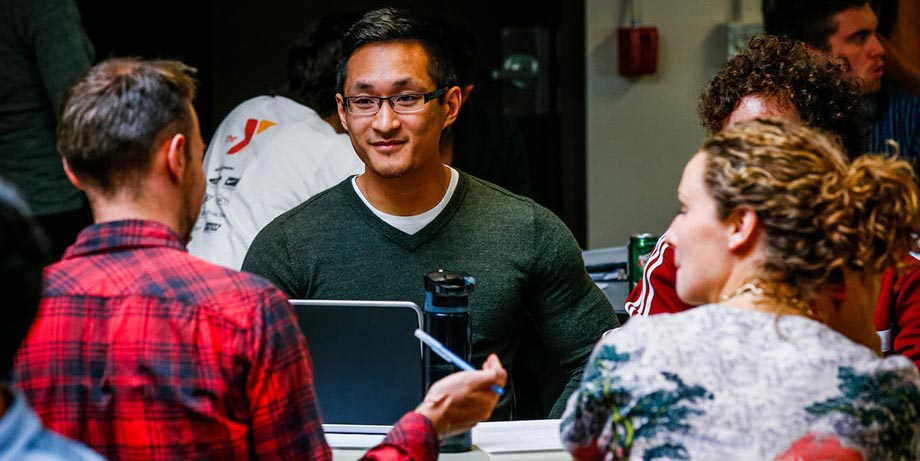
808	21
23	254
313	60
392	24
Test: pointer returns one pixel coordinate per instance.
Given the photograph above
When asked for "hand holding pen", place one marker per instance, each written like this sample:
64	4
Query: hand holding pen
458	401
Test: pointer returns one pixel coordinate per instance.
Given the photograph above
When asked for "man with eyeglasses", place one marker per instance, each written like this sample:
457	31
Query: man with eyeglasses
375	235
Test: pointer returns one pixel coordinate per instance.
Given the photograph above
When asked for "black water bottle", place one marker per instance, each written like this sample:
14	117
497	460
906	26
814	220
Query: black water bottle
447	319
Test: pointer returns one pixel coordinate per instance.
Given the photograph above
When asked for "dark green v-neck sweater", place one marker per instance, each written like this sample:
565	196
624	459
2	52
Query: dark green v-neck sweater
524	259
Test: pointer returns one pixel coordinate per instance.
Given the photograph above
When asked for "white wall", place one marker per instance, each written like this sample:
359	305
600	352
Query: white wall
641	132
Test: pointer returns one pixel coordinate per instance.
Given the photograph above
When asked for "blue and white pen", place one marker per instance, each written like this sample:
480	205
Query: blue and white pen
446	354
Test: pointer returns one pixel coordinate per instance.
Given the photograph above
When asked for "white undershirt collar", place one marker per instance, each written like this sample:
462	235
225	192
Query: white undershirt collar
415	223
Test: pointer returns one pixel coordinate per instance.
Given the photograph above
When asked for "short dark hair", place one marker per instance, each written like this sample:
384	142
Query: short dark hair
805	20
820	88
393	24
313	61
23	253
114	116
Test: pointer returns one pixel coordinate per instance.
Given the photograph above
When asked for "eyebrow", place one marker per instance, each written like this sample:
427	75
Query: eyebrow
401	83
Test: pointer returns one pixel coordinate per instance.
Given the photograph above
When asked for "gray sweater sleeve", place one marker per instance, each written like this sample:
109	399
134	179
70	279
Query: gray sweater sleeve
569	309
269	256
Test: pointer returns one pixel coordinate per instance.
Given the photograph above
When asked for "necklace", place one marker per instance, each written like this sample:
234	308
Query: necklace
793	304
747	288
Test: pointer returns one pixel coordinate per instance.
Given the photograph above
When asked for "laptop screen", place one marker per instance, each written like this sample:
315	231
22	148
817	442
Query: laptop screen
367	365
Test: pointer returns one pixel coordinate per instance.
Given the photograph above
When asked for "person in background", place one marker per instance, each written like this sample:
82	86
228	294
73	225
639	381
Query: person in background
145	352
273	152
375	235
773	77
899	34
821	94
848	29
43	50
23	253
483	144
782	240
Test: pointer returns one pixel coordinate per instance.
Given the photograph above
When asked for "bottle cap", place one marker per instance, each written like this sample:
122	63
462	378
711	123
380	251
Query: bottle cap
444	283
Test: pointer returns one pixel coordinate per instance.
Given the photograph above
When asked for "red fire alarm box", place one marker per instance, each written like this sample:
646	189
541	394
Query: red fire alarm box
637	49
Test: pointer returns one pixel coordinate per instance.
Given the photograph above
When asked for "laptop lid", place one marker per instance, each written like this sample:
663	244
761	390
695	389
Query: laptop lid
367	364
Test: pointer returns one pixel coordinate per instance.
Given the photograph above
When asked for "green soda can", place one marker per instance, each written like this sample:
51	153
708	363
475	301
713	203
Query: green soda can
640	248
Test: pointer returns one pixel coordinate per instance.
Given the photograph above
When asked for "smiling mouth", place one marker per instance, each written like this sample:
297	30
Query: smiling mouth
387	146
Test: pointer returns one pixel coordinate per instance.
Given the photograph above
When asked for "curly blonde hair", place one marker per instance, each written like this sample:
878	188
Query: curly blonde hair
820	213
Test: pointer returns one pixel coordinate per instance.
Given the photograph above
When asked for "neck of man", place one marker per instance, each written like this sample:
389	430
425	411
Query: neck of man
141	204
408	195
446	145
335	122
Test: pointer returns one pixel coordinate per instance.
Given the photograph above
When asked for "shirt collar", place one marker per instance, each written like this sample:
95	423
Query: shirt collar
124	234
18	428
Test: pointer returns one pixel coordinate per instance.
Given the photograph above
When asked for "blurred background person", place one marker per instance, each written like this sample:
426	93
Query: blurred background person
783	240
43	50
23	253
848	29
272	153
773	77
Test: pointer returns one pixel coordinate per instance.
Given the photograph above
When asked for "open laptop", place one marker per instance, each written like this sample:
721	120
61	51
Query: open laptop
367	364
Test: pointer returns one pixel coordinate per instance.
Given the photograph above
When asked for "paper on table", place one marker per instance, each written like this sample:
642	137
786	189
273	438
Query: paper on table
362	441
517	436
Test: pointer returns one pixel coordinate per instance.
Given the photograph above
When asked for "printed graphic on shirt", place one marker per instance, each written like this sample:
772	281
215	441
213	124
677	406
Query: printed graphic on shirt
876	401
252	128
634	417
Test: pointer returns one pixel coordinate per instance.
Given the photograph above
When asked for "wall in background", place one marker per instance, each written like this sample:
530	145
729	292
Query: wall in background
641	132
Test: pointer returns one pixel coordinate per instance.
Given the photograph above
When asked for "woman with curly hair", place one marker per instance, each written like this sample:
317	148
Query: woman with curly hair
782	240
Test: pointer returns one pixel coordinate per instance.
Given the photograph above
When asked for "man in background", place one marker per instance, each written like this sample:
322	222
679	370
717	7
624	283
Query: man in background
848	29
374	236
773	77
43	50
273	152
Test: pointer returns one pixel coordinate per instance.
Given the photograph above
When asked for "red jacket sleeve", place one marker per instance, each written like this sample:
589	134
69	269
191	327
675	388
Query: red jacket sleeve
656	292
898	312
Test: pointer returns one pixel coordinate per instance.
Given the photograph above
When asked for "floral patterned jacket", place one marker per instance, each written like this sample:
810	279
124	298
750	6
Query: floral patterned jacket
717	382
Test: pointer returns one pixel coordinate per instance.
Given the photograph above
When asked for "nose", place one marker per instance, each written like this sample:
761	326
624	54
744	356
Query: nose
386	119
876	50
669	236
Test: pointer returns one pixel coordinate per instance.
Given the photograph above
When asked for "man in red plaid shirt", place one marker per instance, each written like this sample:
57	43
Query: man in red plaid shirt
142	351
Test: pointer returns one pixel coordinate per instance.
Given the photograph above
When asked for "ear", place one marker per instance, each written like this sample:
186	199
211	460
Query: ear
452	100
70	176
340	105
176	161
742	228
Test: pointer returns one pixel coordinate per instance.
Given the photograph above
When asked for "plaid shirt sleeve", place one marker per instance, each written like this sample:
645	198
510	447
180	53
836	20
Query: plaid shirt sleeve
285	420
413	438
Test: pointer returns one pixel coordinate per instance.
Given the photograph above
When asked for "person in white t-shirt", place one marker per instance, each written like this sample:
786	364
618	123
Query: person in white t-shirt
273	152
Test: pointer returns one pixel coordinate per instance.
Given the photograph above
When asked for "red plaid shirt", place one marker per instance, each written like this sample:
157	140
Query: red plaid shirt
144	352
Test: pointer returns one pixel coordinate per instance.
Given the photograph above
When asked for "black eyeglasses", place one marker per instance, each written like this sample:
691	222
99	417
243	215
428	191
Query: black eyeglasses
403	103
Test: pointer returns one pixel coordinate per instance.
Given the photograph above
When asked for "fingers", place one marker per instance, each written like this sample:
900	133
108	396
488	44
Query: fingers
493	364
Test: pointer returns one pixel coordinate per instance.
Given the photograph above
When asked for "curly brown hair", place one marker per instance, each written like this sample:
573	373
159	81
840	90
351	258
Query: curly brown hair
820	214
823	92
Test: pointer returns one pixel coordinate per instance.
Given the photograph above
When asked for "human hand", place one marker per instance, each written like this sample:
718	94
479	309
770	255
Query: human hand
458	401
